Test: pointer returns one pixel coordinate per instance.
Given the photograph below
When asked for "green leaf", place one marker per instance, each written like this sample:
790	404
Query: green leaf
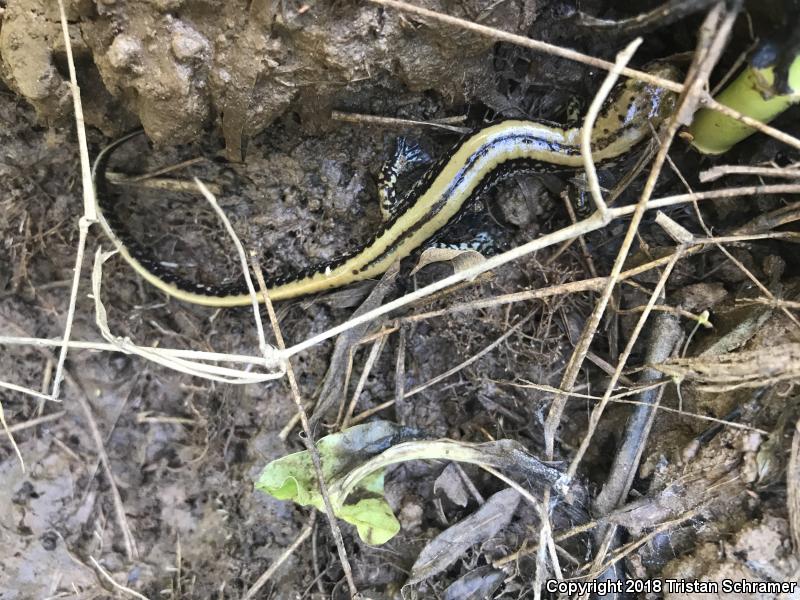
353	464
373	518
293	478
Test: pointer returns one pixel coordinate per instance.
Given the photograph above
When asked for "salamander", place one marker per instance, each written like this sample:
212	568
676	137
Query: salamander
438	197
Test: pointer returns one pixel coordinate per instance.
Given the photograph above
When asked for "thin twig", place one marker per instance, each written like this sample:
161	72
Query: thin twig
117	586
582	347
511	331
623	58
547	534
697	77
620	399
772	132
714	34
274	363
363	416
106	347
11	438
308	438
681	312
168	169
664	336
271	360
359	118
715	173
267	575
89	214
25	390
159	183
37	421
266	349
445	375
129	541
631	546
374	354
608	536
734	68
726	252
526	42
773	302
587	256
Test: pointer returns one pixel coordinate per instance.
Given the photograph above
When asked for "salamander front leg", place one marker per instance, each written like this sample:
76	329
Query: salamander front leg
574	111
406	156
580	197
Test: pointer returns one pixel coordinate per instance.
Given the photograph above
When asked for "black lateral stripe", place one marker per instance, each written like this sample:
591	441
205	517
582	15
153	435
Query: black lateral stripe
482	186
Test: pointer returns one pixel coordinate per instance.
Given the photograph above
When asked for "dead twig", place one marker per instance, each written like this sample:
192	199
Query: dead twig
664	338
714	173
545	533
526	42
36	422
359	118
268	352
129	541
89	214
662	15
267	575
511	331
117	586
673	310
594	418
734	370
713	36
620	398
374	354
308	438
11	438
159	183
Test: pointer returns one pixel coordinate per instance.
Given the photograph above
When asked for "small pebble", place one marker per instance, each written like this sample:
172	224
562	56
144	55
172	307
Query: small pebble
188	43
125	51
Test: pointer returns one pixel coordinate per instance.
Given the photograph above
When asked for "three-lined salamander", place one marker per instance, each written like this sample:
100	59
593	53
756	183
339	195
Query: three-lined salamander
474	164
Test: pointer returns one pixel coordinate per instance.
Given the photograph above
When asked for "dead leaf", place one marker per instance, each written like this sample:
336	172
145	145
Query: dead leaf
701	296
478	584
447	547
460	259
331	391
450	485
733	370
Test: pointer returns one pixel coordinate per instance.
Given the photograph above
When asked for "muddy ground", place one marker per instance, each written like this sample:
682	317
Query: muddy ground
258	81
